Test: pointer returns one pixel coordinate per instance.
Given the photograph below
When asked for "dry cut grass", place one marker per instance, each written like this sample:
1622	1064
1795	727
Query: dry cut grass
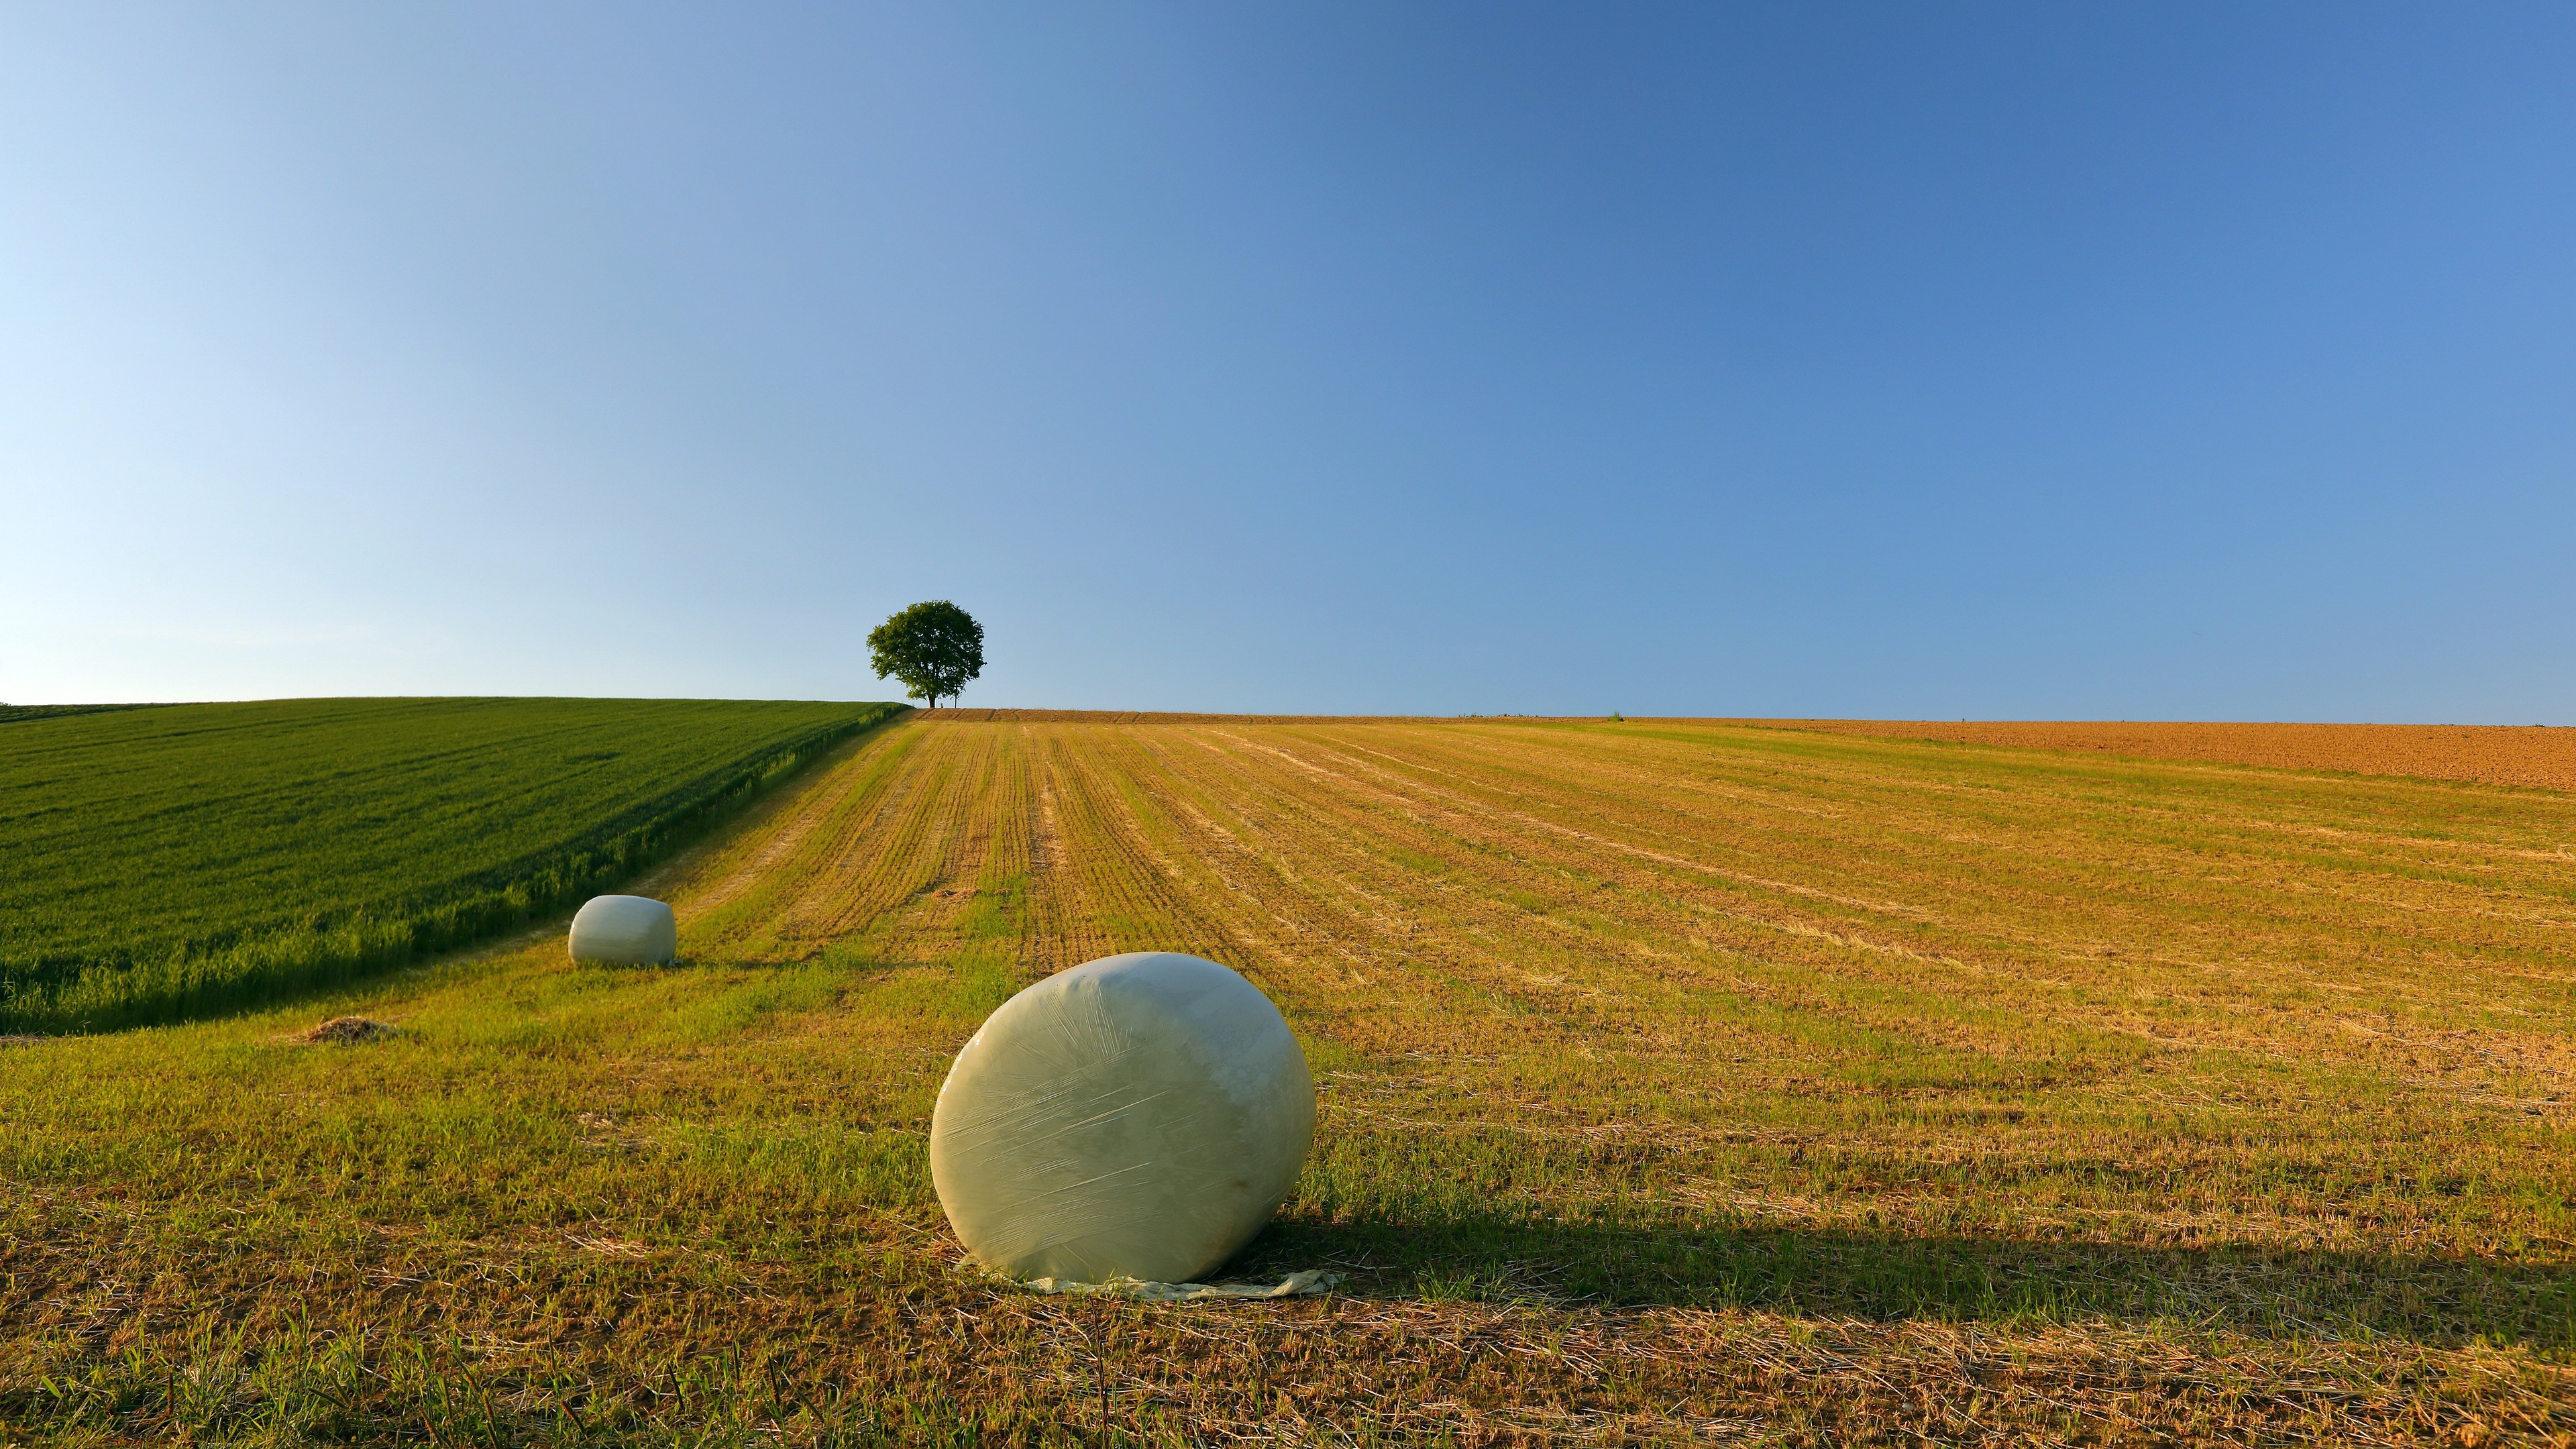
1680	1083
2535	755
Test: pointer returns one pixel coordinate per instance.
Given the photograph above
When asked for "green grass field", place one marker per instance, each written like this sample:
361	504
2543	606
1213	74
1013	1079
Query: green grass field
1679	1083
175	858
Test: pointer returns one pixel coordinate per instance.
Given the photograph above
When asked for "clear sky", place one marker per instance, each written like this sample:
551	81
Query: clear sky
2060	361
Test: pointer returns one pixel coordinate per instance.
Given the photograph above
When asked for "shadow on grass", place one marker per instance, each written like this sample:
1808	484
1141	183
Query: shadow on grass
2433	1301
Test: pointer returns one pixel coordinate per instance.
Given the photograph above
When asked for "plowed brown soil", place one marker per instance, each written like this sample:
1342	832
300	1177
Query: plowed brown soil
2535	755
1098	716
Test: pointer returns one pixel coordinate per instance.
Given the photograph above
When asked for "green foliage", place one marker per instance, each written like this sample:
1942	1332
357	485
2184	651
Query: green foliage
187	857
934	648
14	713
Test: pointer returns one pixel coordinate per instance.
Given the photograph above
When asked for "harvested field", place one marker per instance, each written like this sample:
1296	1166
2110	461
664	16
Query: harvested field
1680	1083
2536	755
954	715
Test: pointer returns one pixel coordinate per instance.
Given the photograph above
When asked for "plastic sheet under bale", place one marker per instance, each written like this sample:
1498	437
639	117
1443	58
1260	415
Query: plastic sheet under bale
1295	1285
625	931
1138	1117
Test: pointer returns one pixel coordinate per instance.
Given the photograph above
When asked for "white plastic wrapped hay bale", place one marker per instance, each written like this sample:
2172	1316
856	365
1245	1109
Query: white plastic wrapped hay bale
1139	1116
625	931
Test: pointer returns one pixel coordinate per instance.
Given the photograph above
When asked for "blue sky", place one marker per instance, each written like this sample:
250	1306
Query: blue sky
1900	361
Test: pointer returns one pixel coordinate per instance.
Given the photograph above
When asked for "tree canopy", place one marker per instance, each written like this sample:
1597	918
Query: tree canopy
934	648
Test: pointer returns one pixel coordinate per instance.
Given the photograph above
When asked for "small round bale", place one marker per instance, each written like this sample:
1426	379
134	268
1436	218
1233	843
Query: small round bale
1139	1116
625	931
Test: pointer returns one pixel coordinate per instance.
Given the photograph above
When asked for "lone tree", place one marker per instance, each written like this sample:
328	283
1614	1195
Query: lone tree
934	648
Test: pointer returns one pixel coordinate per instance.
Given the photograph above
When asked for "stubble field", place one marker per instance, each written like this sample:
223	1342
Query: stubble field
2535	755
1680	1082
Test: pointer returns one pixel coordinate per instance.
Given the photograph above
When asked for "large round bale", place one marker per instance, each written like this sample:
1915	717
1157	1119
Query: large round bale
1139	1116
625	931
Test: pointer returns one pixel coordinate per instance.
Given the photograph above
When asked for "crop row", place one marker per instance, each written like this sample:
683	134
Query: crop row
186	858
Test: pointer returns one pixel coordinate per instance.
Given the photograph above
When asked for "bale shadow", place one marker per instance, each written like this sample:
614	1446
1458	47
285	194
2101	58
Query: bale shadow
2438	1302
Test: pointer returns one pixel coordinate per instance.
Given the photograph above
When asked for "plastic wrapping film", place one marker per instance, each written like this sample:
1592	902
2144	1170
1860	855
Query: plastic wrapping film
625	931
1295	1285
1136	1117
